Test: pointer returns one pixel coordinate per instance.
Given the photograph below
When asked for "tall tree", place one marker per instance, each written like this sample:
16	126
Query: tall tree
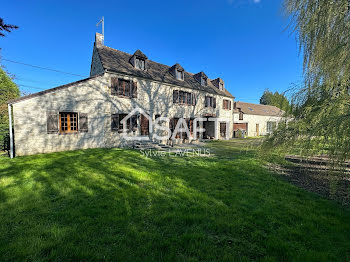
321	108
275	99
6	27
8	90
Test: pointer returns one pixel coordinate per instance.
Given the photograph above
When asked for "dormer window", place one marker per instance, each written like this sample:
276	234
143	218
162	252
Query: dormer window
179	75
201	78
218	83
140	63
139	60
177	71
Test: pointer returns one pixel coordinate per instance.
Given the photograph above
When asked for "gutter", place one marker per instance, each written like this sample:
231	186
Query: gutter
10	129
165	83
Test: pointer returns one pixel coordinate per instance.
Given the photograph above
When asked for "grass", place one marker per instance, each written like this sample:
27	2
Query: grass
114	204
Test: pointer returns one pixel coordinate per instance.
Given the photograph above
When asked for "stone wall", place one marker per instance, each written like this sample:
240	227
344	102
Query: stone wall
94	98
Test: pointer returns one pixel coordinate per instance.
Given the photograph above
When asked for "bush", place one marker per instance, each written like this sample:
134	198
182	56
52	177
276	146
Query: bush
4	137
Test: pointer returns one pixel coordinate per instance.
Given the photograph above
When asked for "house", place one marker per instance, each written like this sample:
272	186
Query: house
255	119
89	113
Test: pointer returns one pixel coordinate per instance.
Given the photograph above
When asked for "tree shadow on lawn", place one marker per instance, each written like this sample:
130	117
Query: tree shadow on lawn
114	204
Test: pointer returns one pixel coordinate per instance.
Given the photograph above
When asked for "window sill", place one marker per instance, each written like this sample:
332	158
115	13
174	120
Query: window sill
68	133
180	104
121	96
121	131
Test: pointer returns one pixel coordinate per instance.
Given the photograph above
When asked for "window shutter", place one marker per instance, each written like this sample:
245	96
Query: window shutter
127	89
114	122
171	124
52	122
230	105
214	102
83	123
175	96
223	104
114	86
121	87
206	101
134	89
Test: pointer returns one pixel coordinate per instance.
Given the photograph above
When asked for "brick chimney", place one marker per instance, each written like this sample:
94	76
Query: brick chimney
98	40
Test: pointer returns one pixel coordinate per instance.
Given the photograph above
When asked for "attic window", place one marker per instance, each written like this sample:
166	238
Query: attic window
140	63
203	81
221	86
240	115
179	74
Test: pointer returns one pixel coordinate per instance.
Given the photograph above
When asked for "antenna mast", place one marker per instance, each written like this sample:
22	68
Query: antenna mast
102	21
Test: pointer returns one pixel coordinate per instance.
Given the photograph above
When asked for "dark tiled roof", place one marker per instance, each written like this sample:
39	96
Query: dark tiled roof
201	75
13	101
177	67
138	53
117	61
257	109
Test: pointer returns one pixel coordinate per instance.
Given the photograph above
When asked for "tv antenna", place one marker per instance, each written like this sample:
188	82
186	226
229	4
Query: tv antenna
102	21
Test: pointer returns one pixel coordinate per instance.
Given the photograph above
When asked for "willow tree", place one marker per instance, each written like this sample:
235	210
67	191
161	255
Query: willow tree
321	107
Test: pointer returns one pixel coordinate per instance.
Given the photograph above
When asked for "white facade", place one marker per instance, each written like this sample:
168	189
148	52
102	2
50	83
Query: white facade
93	97
257	124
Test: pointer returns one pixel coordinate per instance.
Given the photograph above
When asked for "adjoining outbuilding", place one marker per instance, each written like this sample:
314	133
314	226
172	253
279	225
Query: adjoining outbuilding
254	119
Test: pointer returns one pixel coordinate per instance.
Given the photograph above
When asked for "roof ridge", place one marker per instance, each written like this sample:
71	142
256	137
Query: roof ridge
109	64
157	62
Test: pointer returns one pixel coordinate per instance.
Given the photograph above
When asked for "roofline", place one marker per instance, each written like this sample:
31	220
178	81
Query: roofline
260	105
123	73
259	115
256	104
44	92
159	64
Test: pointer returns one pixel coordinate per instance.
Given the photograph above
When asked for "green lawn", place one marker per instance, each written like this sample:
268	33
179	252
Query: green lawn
114	204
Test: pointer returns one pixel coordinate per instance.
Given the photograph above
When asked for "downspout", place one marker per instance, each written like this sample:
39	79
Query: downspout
10	130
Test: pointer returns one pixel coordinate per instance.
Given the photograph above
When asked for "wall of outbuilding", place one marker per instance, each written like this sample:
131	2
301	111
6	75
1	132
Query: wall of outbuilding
252	120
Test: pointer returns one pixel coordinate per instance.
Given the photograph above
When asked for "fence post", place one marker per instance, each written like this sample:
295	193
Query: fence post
10	130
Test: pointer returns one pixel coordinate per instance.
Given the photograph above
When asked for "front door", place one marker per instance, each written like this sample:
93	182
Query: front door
223	130
144	126
257	129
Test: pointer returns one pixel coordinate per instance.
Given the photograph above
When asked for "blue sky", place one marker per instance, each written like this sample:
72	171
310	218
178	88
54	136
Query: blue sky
245	42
